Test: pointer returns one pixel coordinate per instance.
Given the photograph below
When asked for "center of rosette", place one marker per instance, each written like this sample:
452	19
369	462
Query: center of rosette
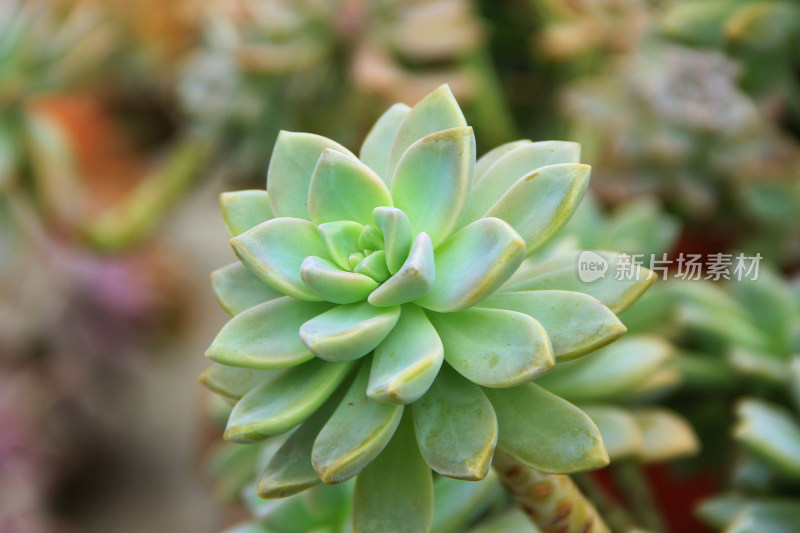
383	262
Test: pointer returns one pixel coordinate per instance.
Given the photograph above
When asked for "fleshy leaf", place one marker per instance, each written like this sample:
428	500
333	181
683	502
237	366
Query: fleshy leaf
546	432
491	157
332	284
473	264
348	332
611	372
456	427
770	516
344	188
494	347
771	433
290	471
275	250
378	142
284	402
413	280
540	203
356	433
395	492
234	382
374	266
370	238
293	161
561	273
621	434
397	235
460	504
238	289
666	435
266	336
438	111
242	210
433	179
576	323
407	361
341	240
511	167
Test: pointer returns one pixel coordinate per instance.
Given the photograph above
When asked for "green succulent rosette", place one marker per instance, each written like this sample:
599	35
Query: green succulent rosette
386	315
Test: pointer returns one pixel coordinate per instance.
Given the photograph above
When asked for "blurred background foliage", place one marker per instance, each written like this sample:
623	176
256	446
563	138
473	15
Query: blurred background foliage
120	123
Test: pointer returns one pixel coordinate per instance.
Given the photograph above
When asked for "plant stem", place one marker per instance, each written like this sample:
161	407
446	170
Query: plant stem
551	501
636	490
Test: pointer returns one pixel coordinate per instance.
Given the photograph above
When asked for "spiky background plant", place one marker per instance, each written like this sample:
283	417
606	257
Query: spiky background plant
763	356
369	285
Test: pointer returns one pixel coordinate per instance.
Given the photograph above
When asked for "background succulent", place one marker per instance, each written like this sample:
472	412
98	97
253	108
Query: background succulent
325	66
420	272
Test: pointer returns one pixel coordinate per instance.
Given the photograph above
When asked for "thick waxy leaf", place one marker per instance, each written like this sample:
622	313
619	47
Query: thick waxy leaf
293	161
540	203
397	235
283	402
511	521
456	427
708	308
355	259
640	224
433	179
611	372
511	167
234	382
666	435
770	516
491	157
720	511
290	471
344	188
561	273
621	434
356	433
771	307
575	323
374	266
275	250
242	210
407	361
378	142
238	289
459	504
348	332
370	238
413	280
332	284
772	433
341	240
436	112
266	336
546	432
494	347
473	264
395	492
287	515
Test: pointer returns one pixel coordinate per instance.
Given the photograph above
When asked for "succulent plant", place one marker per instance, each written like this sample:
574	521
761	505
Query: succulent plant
762	34
589	27
763	496
325	65
43	49
381	310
